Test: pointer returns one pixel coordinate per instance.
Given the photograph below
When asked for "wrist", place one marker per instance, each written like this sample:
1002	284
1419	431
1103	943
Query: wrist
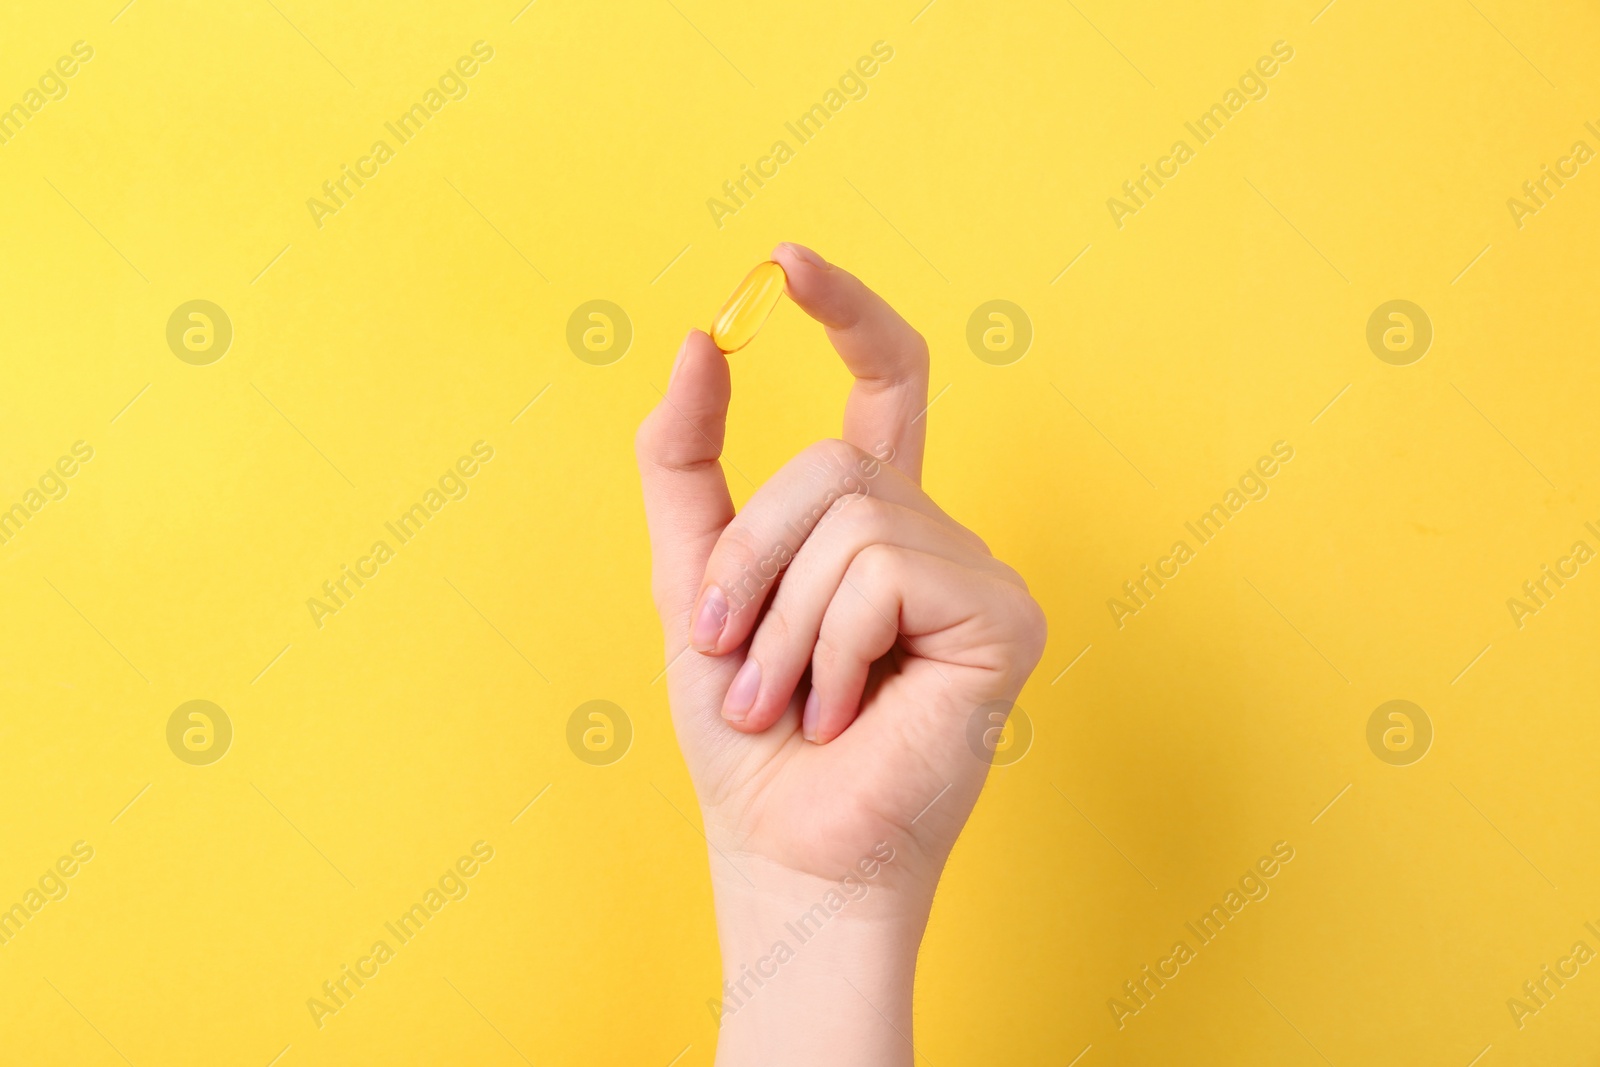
815	969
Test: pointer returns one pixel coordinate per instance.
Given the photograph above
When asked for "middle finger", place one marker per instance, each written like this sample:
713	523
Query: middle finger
756	546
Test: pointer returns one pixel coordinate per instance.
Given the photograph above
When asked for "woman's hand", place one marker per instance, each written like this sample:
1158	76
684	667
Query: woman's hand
834	649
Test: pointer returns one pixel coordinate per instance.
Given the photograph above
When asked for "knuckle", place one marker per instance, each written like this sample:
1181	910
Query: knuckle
968	536
912	362
876	511
828	653
836	473
670	440
876	565
979	545
741	567
736	547
832	456
1033	628
864	518
772	636
917	349
665	596
646	440
1010	574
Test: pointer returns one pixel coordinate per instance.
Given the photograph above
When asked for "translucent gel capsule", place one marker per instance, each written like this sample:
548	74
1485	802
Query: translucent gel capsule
747	309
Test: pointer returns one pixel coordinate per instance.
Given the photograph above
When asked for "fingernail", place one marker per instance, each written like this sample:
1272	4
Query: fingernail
709	618
808	718
806	254
678	362
742	693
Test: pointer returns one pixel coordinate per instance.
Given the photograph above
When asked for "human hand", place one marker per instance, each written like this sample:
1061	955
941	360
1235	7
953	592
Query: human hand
845	632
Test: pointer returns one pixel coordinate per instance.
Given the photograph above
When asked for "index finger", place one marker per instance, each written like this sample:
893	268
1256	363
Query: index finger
888	358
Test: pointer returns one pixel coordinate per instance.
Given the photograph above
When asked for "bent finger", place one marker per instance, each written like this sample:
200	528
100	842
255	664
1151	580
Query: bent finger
889	359
758	545
787	634
889	594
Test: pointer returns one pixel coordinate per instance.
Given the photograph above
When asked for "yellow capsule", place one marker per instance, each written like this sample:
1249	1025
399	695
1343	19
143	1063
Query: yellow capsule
747	309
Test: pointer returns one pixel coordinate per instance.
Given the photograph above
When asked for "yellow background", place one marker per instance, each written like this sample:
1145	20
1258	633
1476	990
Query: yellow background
370	353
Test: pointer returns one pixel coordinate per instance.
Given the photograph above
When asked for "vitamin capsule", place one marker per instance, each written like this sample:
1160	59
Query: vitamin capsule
747	309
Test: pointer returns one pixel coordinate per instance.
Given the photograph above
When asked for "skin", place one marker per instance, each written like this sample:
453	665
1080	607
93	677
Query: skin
825	717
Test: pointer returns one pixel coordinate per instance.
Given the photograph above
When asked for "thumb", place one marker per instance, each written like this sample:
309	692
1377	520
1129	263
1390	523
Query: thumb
686	499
